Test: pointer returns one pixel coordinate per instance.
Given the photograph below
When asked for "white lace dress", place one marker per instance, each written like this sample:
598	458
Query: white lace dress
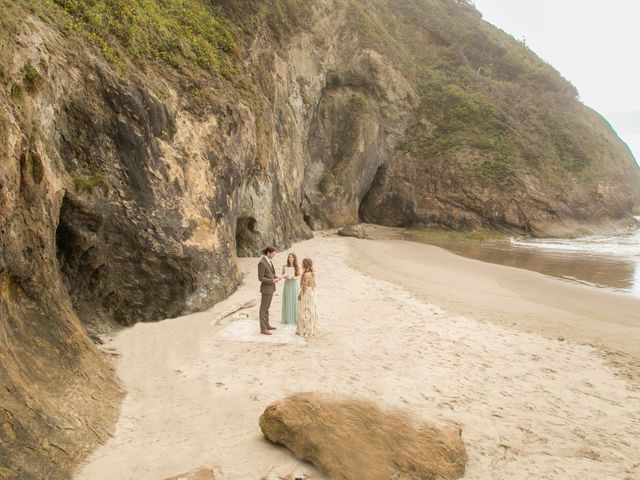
307	308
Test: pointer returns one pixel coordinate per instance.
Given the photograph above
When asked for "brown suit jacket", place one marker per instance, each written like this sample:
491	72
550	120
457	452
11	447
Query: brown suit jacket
266	275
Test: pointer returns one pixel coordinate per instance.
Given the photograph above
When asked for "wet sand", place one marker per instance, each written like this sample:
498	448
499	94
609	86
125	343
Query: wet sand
612	270
406	325
608	272
510	296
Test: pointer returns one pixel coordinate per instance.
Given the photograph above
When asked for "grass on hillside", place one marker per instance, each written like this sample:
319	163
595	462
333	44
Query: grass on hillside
189	35
88	184
481	90
182	33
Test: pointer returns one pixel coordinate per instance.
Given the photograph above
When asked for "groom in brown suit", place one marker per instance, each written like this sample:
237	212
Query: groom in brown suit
268	279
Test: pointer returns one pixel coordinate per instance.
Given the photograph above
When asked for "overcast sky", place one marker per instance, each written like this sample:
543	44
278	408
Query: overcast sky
592	43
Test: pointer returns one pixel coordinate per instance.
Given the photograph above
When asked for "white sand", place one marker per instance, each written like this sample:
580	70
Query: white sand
530	406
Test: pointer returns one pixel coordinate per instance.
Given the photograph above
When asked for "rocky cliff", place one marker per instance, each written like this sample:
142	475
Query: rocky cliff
144	145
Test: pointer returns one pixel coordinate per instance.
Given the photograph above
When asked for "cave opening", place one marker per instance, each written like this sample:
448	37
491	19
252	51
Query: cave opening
247	237
366	210
78	262
308	220
67	243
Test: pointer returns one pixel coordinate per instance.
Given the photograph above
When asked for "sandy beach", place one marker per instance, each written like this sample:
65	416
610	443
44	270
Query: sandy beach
541	374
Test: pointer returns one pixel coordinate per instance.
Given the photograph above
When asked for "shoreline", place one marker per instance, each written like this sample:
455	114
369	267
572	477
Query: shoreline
609	270
516	297
528	404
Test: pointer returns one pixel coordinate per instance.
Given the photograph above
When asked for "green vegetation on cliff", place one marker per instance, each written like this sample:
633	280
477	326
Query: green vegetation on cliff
188	35
178	32
480	89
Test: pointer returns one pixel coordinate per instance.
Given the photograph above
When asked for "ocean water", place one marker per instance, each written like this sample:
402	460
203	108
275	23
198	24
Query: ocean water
606	261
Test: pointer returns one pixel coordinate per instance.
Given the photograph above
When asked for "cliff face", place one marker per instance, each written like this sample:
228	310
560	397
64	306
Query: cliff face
498	140
144	148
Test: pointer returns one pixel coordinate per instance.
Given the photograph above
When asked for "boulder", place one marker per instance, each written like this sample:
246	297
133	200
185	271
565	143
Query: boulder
356	439
353	231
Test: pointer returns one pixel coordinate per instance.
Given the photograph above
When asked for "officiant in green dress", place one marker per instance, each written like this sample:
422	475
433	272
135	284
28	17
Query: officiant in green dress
291	273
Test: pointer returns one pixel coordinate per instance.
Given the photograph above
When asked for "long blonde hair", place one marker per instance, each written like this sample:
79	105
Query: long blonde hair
307	266
308	281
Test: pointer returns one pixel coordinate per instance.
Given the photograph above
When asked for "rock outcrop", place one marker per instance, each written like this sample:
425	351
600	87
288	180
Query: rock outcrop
352	439
142	149
356	231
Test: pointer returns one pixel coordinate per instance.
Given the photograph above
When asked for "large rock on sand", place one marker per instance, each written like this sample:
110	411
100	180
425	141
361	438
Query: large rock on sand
353	231
351	439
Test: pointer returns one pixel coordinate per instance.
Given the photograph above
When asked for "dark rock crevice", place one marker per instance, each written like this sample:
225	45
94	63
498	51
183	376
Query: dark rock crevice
247	238
112	273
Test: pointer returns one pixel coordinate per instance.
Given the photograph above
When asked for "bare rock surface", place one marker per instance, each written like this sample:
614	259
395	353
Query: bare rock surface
353	439
356	231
